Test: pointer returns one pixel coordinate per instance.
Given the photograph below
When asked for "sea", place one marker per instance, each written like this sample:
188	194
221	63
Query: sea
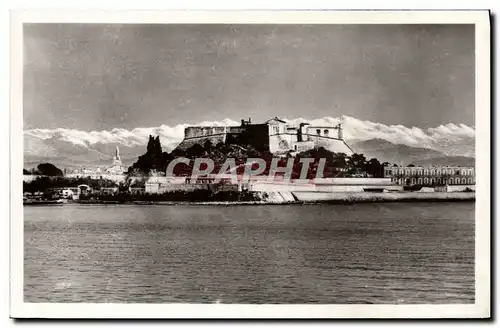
385	253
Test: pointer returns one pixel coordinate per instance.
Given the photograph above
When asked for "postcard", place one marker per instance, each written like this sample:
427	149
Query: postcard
250	164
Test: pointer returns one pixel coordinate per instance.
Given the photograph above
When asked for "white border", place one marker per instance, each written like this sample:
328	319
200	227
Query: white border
481	308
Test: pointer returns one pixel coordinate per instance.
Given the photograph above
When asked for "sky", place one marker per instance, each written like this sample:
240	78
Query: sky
105	76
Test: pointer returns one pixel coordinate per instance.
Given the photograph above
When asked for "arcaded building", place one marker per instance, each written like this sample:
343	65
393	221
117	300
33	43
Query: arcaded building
274	135
430	176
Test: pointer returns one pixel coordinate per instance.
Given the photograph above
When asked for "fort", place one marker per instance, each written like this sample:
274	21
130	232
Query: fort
274	135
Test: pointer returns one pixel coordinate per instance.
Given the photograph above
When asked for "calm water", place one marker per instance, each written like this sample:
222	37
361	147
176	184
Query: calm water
365	253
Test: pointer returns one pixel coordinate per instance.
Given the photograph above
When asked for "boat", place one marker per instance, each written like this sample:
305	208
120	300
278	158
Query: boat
44	202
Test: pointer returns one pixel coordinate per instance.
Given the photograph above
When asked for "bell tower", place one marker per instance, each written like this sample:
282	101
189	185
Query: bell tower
117	160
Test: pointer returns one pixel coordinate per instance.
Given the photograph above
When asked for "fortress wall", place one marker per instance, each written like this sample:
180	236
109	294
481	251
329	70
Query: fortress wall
260	136
454	188
215	139
282	142
202	131
383	197
165	180
234	129
200	134
325	131
303	146
322	185
334	145
352	181
291	187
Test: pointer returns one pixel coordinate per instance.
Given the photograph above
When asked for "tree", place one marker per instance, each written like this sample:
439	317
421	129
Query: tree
49	170
340	160
374	168
26	172
411	165
195	150
357	163
154	145
153	159
207	146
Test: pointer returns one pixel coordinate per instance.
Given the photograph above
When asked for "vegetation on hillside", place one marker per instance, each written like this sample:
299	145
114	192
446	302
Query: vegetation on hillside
337	164
46	169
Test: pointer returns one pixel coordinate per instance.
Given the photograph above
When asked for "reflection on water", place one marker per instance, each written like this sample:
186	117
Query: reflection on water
365	253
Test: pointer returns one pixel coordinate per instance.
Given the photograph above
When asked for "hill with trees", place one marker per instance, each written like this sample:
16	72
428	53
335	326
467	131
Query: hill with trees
46	169
337	164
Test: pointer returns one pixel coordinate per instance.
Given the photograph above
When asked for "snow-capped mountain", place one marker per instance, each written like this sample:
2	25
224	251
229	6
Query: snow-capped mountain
98	146
386	151
450	139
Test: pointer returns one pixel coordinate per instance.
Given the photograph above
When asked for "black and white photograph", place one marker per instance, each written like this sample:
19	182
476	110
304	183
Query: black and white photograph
292	165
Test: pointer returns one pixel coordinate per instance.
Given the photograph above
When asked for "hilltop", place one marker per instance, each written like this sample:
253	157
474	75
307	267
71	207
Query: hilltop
337	164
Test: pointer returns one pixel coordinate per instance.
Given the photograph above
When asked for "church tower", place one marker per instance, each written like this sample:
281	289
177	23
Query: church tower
117	167
117	161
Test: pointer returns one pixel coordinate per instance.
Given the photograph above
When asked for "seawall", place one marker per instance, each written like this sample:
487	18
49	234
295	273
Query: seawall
364	197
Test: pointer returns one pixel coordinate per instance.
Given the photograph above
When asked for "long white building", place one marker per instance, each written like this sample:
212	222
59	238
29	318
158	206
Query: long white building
430	176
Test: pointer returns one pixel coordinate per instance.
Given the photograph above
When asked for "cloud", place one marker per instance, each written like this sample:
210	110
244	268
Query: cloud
451	139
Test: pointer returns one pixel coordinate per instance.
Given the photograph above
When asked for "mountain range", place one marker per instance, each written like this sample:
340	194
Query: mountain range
450	144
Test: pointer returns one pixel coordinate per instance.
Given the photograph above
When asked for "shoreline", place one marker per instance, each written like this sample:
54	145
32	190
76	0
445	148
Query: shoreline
330	198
